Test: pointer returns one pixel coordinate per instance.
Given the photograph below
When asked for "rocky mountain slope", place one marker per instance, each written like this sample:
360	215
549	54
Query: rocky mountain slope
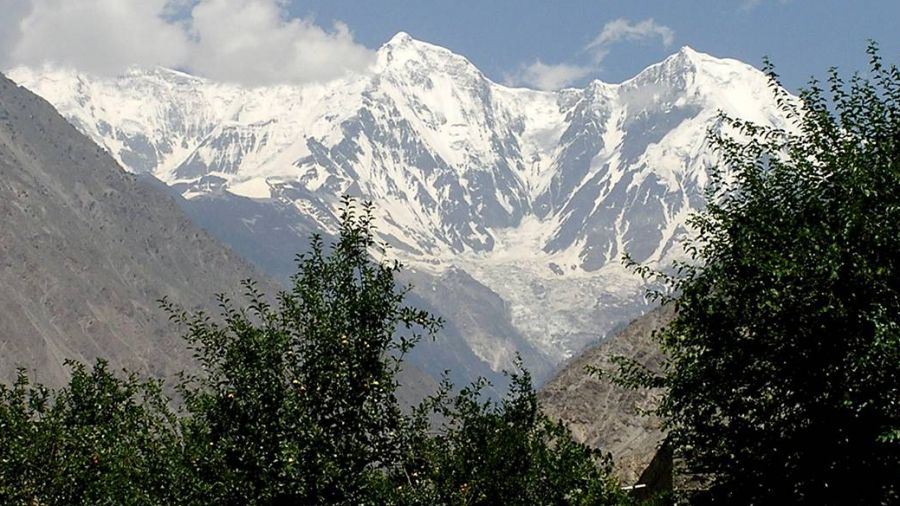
532	197
86	250
604	415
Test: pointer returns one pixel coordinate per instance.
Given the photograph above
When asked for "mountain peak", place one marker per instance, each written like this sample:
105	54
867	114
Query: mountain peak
688	56
405	41
687	61
403	49
399	39
689	52
535	195
685	58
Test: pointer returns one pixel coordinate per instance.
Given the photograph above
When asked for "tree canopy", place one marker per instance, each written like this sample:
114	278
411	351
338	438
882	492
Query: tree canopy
783	377
294	402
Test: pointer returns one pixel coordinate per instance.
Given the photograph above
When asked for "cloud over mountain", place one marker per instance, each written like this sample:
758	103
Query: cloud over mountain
549	77
245	41
623	30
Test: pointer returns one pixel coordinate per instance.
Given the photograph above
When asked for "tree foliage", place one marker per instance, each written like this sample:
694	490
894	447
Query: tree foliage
507	452
101	440
297	403
294	403
783	376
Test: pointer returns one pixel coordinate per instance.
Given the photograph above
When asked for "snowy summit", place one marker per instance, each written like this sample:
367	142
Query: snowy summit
536	194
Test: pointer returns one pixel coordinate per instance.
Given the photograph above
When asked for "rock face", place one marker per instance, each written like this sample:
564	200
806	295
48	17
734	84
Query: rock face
607	416
534	195
86	249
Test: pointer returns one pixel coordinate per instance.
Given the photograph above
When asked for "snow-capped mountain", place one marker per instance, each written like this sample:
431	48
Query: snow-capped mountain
534	195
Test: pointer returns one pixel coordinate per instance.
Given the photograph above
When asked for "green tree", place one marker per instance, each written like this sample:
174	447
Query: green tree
101	440
294	403
297	402
508	452
783	376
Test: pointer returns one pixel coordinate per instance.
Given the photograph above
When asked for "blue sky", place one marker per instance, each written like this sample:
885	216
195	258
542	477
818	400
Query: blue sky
546	44
803	37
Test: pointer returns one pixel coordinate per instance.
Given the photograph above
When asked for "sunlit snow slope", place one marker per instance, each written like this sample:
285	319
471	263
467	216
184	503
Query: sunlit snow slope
535	195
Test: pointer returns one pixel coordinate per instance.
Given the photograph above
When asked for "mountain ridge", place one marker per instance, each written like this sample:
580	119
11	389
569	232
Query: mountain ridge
536	195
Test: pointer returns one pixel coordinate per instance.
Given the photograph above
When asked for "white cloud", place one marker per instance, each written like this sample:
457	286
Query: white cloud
252	41
99	35
555	76
247	41
624	30
548	77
